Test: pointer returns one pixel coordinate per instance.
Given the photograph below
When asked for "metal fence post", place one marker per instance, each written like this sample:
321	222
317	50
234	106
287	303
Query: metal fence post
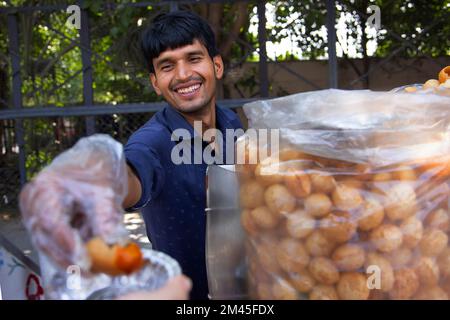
331	31
88	91
262	39
14	50
173	6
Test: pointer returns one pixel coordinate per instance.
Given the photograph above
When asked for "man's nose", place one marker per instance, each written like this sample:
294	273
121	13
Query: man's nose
183	71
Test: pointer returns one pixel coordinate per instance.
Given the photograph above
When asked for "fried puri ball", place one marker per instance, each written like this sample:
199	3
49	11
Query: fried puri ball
291	255
445	285
406	284
429	84
428	271
444	74
300	224
401	257
279	200
244	172
258	274
438	219
317	205
322	183
265	252
264	291
113	259
444	263
401	201
376	294
248	224
322	162
252	262
338	226
352	183
433	242
412	230
410	89
302	281
247	150
431	293
352	286
318	244
323	270
382	176
404	174
246	157
433	193
323	292
371	214
268	172
251	195
348	257
437	167
386	238
264	218
346	198
363	171
283	290
443	88
298	182
287	154
385	268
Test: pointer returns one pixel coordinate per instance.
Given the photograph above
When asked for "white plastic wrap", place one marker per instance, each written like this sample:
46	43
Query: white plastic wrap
360	185
77	197
362	126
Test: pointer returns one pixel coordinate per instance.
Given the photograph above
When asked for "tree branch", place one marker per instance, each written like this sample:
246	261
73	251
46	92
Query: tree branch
215	11
240	10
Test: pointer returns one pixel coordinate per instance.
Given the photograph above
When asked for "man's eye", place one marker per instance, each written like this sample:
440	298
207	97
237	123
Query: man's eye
166	67
195	59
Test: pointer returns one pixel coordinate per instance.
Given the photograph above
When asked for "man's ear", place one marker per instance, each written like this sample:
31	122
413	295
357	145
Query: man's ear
154	82
218	66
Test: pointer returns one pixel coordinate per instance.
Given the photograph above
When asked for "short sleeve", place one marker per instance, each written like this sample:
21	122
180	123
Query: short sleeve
147	166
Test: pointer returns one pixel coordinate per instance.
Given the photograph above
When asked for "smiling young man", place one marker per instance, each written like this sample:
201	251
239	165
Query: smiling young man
82	193
184	66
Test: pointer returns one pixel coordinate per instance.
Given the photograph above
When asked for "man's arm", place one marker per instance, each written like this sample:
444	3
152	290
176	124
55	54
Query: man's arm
134	189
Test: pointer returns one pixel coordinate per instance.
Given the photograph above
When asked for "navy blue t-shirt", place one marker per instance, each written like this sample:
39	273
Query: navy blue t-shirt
173	195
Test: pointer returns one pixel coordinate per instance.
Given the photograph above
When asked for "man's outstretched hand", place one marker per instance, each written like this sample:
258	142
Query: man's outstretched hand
78	196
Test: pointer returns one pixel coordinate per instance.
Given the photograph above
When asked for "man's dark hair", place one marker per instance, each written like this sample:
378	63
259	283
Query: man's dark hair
174	30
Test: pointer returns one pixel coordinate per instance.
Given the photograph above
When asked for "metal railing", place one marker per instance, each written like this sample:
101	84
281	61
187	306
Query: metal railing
31	137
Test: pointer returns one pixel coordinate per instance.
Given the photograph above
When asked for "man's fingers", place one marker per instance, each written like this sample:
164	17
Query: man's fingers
45	208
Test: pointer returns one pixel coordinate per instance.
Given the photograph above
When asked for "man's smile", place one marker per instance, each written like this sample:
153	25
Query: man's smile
188	90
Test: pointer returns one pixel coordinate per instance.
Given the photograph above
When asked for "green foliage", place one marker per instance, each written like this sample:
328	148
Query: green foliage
420	27
304	20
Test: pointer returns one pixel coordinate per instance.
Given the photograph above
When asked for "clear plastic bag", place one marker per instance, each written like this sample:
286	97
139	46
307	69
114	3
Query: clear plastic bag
78	198
355	203
70	284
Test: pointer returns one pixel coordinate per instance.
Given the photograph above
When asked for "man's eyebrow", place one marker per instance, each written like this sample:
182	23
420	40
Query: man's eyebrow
196	52
189	54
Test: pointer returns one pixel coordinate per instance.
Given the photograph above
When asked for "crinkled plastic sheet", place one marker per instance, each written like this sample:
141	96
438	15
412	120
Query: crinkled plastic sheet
70	285
370	206
360	126
94	172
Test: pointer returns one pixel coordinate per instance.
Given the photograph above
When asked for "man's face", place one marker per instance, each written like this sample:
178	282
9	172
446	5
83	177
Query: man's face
186	77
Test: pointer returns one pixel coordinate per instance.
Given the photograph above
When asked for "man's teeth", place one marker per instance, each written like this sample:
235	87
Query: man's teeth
189	89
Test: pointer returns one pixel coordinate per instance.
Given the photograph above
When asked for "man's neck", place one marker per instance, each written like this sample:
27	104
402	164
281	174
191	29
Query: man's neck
207	116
